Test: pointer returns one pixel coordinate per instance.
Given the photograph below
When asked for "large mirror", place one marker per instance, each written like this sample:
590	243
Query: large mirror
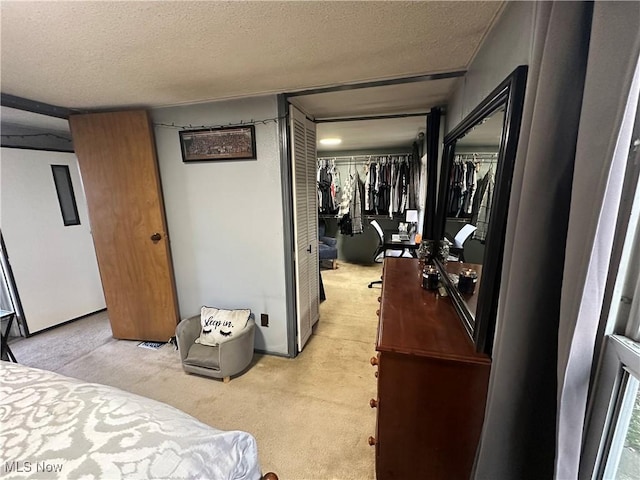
473	199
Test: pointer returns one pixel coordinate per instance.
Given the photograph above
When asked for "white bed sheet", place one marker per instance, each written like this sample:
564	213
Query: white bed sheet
53	426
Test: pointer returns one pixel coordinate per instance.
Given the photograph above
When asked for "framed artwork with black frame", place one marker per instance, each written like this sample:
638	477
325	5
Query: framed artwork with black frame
224	143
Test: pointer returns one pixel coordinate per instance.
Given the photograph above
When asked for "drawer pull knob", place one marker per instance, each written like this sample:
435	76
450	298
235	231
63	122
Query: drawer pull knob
374	361
379	299
375	374
378	313
373	403
371	441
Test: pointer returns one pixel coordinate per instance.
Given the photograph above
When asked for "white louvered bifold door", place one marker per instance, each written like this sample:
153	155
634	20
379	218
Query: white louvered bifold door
305	211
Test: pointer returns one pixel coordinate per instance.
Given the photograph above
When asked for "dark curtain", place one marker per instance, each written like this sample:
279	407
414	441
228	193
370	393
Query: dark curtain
519	434
564	203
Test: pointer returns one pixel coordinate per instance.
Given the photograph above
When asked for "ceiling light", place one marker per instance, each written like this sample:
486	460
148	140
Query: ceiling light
331	141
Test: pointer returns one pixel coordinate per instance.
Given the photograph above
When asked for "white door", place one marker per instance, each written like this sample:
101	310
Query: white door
54	265
305	212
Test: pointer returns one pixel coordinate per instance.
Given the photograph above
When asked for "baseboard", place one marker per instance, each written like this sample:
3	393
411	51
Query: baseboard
275	354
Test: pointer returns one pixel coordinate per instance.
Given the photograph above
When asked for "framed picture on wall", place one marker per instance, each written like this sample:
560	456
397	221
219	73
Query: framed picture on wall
225	143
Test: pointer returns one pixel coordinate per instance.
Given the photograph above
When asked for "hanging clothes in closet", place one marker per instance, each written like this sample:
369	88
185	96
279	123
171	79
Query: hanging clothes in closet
382	189
387	185
355	206
328	179
464	188
350	212
471	182
390	185
482	206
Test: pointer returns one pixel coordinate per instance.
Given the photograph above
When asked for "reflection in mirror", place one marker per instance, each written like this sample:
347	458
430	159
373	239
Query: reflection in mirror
473	200
470	191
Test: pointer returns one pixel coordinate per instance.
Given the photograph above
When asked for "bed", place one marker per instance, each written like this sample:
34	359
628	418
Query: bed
53	426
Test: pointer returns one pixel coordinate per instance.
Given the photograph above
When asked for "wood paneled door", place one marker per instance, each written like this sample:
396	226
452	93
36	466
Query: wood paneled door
119	168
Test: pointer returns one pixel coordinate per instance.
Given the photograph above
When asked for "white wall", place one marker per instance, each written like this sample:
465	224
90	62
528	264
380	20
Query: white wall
508	45
54	266
225	218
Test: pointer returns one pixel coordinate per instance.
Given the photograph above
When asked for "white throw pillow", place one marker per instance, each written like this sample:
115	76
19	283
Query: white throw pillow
219	325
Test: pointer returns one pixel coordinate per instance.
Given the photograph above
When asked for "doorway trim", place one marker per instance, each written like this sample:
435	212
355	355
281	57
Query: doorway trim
287	222
379	83
287	178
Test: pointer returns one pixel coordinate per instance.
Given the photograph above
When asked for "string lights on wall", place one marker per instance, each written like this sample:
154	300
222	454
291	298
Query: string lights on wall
204	127
173	125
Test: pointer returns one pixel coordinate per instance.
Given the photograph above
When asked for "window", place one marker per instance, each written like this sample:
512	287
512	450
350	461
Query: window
66	197
611	444
612	440
623	457
618	411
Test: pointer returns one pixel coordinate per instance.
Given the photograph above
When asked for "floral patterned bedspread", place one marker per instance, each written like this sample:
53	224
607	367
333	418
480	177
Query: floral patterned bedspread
52	426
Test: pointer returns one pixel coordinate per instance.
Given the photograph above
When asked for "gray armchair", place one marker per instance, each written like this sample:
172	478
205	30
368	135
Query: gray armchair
222	361
327	249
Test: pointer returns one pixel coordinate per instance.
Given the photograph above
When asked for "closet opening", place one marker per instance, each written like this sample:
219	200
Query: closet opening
369	187
373	139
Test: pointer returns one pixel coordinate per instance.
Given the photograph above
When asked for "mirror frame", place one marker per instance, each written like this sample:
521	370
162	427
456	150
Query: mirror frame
510	94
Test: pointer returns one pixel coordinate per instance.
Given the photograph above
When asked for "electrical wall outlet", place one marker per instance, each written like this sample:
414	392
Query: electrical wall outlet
264	320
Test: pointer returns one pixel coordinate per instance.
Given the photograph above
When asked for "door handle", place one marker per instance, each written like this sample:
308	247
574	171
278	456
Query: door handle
309	249
156	237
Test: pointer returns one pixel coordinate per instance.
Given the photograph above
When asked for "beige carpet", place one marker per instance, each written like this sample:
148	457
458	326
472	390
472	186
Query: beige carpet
310	415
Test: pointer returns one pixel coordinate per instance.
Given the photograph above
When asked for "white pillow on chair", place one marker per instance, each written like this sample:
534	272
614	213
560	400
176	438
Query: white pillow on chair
220	325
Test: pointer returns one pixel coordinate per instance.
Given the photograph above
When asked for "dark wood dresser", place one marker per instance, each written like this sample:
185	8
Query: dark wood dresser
432	385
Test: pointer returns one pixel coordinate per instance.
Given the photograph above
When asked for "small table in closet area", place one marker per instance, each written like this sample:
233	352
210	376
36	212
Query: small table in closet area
403	245
6	319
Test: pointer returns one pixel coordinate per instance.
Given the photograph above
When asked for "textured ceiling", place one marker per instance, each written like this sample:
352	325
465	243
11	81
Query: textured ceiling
112	54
